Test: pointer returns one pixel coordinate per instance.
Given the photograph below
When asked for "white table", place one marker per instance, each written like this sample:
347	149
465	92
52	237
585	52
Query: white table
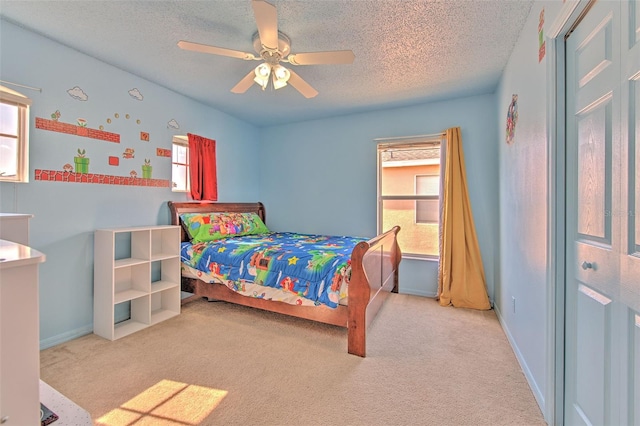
69	413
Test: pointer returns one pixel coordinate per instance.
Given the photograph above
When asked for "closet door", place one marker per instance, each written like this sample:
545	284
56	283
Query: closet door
630	211
603	279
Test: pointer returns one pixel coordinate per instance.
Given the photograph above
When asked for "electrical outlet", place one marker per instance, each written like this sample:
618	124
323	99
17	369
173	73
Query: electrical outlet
513	304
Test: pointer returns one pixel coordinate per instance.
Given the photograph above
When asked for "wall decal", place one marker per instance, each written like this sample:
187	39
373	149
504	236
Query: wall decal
82	127
512	119
73	129
79	170
117	116
147	169
135	94
67	176
161	152
82	163
78	94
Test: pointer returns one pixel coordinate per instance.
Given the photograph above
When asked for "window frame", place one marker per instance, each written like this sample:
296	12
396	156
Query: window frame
181	141
409	142
23	104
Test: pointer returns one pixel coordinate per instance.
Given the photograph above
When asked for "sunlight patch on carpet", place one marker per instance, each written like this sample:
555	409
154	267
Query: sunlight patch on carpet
166	403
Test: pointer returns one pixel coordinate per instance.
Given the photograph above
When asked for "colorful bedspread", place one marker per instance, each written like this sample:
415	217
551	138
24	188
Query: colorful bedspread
311	268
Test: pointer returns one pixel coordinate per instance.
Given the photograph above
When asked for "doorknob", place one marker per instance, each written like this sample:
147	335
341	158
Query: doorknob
587	265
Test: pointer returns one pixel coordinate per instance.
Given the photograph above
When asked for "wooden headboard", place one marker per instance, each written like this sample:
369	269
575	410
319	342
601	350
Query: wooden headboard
177	208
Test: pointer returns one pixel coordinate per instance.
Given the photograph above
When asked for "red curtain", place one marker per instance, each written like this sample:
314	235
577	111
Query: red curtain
202	165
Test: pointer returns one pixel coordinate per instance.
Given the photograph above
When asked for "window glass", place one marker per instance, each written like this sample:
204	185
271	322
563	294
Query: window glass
401	165
8	156
428	211
14	136
8	119
428	184
180	178
180	165
409	188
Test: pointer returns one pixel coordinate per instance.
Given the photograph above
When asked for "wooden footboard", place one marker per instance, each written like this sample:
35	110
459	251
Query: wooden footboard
374	273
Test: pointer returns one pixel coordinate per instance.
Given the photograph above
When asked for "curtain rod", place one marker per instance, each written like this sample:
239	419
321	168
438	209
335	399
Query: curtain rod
399	138
21	85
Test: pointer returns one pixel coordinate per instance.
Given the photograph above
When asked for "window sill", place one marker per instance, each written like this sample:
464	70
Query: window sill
14	180
420	257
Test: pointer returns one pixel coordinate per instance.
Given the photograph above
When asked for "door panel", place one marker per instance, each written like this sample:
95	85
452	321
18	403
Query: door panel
594	57
594	174
594	365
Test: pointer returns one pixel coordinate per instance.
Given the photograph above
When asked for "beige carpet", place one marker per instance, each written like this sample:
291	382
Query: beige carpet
221	364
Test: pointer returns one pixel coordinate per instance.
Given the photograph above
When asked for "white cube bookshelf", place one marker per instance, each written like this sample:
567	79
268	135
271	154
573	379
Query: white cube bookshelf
138	266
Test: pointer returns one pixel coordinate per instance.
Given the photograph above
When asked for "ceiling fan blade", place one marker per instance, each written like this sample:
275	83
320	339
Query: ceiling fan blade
245	83
317	58
205	48
267	22
302	86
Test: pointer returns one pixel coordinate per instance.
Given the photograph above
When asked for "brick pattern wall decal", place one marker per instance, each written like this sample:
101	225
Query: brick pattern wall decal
72	129
62	176
161	152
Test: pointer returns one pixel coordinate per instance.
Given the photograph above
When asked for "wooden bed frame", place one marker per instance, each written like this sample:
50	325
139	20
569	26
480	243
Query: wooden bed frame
374	274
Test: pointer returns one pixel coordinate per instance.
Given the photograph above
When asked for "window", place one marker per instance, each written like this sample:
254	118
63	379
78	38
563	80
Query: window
409	193
180	164
14	136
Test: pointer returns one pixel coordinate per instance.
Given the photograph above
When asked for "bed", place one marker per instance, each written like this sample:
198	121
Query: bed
371	272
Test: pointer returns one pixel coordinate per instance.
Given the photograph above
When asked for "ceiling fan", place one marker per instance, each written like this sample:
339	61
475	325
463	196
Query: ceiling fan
273	47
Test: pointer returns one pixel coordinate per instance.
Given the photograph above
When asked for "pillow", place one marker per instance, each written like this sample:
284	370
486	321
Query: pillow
203	227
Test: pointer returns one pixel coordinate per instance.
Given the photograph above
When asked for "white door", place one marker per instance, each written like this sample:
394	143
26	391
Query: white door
602	353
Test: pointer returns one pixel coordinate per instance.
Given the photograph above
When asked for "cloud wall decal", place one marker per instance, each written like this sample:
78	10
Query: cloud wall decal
78	94
135	94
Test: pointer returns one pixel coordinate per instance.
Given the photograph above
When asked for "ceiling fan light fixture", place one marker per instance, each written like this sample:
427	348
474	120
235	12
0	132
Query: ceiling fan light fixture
278	84
280	76
281	73
262	72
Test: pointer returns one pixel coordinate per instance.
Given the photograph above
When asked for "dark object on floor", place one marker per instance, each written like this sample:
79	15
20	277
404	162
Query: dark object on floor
47	416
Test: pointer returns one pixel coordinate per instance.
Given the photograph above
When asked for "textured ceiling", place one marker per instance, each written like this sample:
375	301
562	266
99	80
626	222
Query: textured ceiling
406	51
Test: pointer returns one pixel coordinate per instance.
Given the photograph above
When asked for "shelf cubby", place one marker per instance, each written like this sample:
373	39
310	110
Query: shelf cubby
136	277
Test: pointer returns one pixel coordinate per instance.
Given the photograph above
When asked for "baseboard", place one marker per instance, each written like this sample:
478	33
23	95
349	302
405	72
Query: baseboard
415	292
430	295
535	389
65	337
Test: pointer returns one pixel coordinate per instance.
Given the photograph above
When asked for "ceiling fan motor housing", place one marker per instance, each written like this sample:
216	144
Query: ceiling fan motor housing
272	56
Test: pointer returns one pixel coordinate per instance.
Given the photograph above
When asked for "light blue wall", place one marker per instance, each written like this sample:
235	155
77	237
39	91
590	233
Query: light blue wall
66	214
320	176
524	207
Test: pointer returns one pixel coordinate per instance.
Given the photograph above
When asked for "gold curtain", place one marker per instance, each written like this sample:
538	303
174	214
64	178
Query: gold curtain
461	280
